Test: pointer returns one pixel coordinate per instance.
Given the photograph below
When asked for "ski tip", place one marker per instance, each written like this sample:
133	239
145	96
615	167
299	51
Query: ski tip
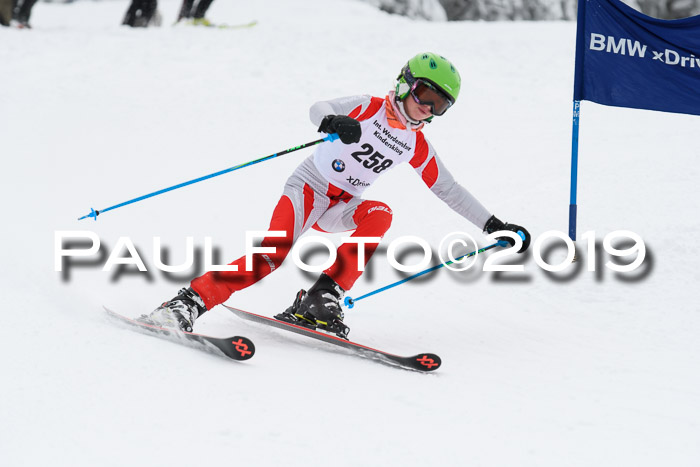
242	348
426	362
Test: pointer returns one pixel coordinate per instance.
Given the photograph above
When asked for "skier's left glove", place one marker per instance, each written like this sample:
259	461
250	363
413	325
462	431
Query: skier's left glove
347	128
495	225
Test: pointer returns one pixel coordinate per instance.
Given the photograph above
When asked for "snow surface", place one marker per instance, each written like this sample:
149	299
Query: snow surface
589	370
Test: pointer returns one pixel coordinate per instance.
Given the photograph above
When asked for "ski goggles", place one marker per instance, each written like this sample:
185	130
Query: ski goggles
425	93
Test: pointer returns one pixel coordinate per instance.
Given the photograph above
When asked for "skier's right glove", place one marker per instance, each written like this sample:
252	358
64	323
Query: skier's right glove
494	224
347	128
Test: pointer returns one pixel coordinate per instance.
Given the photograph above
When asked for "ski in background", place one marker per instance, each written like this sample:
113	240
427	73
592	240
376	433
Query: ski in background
420	362
193	13
236	347
206	23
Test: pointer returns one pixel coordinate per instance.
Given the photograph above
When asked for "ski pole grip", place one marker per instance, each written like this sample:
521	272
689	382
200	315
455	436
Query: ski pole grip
332	137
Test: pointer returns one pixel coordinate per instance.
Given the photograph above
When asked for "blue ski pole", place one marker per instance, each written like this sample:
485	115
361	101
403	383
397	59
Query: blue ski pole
94	213
350	302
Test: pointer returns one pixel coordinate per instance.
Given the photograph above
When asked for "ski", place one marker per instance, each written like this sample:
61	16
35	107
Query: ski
208	24
237	347
420	362
235	26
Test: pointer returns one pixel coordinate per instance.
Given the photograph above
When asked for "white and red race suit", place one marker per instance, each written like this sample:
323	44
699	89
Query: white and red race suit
325	190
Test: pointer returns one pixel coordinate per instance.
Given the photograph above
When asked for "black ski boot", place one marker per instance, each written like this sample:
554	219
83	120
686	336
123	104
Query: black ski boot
322	304
179	313
292	315
319	308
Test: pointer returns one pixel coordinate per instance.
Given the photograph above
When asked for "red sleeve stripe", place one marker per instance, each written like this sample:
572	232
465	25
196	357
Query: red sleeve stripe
374	105
355	112
421	152
430	173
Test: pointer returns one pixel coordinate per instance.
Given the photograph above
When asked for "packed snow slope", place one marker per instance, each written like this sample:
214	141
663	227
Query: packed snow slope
574	368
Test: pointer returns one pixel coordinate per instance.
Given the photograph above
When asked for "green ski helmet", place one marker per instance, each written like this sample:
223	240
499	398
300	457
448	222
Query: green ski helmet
426	74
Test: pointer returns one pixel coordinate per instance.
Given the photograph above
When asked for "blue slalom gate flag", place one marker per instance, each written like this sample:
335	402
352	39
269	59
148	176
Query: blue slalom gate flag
627	59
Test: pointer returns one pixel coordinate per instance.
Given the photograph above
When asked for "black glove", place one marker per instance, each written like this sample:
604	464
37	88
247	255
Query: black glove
348	128
494	225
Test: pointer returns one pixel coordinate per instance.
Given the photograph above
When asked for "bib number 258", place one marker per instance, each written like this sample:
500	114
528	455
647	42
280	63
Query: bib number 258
375	162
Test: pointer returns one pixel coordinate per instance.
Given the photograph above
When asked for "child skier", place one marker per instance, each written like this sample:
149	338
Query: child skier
325	190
